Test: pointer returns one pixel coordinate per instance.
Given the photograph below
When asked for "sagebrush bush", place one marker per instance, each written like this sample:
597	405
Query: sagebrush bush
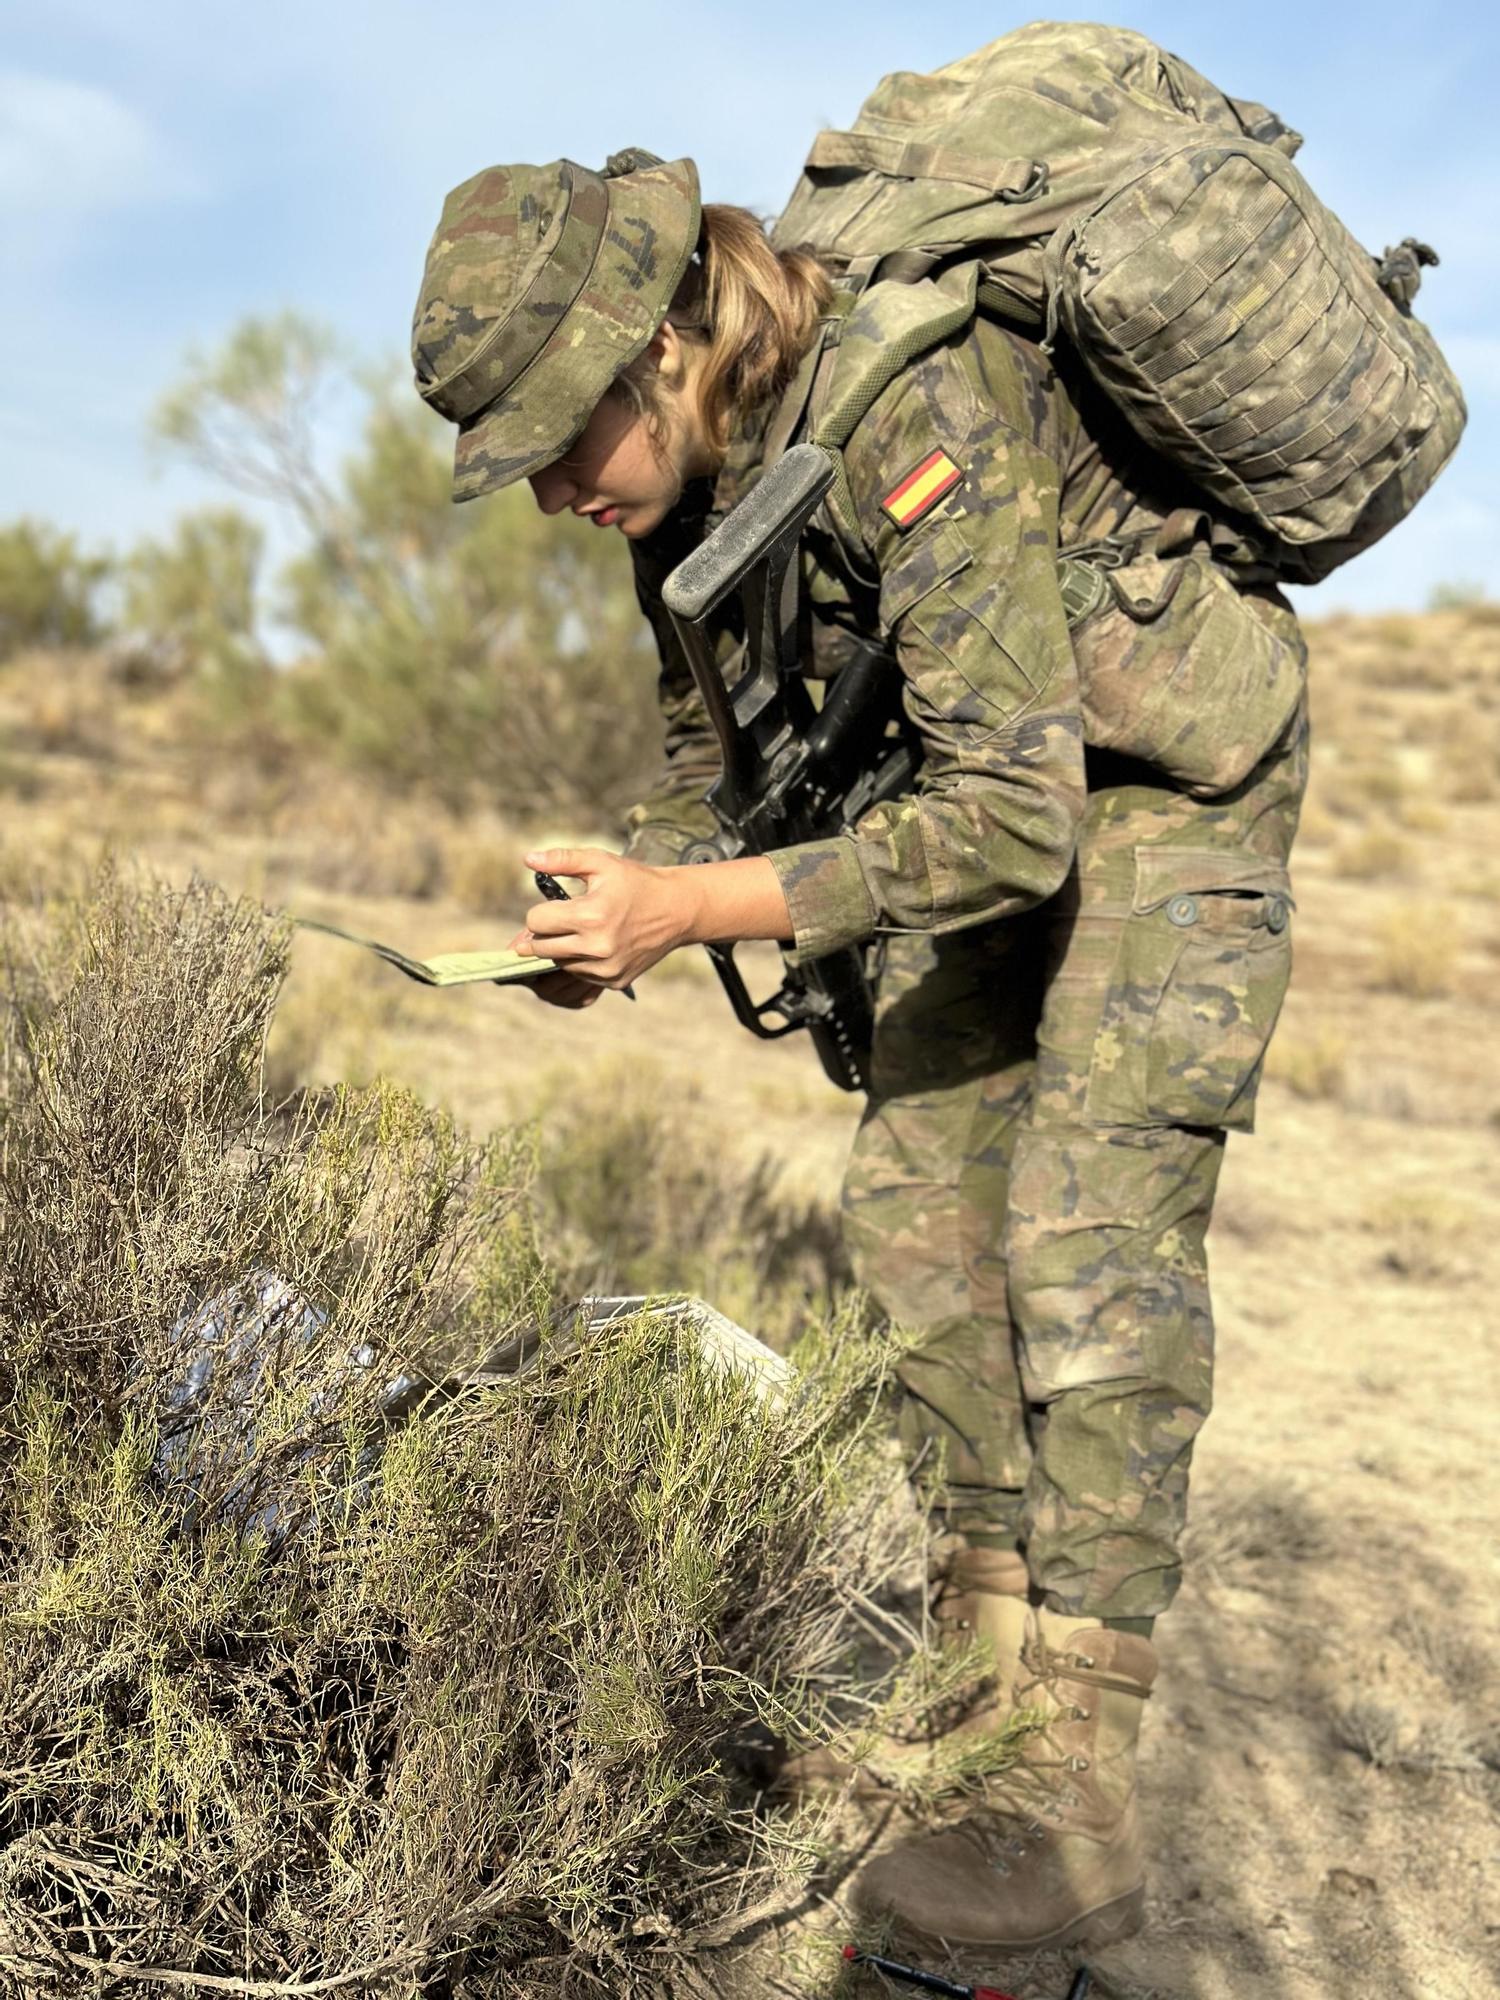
296	1697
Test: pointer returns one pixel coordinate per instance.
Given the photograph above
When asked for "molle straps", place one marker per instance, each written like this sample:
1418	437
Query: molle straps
1017	180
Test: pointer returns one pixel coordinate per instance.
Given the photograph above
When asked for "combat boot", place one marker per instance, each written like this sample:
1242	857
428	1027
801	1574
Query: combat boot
979	1596
1053	1855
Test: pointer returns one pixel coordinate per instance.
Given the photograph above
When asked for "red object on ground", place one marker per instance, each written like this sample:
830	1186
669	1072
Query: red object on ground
929	1982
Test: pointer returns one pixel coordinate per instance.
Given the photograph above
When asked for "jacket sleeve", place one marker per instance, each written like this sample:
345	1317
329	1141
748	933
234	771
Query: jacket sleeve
675	812
969	595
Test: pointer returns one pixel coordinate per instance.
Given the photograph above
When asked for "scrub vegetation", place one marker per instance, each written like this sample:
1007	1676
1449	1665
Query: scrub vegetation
297	1696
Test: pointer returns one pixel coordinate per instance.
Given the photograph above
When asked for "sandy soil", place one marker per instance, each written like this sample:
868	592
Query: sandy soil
1322	1759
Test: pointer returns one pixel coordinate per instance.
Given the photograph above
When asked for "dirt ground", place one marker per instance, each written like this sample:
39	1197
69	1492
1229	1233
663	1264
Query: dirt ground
1322	1758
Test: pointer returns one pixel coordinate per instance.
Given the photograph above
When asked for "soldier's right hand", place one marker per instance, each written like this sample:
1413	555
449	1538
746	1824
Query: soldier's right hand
566	989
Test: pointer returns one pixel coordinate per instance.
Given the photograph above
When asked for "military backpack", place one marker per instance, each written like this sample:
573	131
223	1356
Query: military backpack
1079	179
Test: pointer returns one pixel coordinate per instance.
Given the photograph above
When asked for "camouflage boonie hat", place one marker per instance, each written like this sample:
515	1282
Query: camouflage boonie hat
541	285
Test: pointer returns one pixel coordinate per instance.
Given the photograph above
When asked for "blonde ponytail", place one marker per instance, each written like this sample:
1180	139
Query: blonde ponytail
761	307
753	309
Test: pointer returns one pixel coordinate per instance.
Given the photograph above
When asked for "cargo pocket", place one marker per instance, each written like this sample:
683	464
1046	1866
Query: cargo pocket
1198	980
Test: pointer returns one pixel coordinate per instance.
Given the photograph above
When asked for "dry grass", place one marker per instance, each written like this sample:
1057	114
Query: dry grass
63	701
1374	855
1470	762
1406	1738
1246	1524
1426	1233
1425	816
296	1697
1315	1067
1372	1730
1416	952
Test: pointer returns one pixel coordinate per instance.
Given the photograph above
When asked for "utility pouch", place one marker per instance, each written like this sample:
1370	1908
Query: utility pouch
1180	669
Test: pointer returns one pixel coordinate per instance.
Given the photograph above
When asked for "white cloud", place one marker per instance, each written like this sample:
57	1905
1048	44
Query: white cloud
70	150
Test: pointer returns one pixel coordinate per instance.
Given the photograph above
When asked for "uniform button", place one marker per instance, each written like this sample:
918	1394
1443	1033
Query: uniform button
1182	911
1278	915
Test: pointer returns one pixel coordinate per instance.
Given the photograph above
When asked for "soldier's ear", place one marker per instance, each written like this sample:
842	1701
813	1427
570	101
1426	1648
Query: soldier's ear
668	355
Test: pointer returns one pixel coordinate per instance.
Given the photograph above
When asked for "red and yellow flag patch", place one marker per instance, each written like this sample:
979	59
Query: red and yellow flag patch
922	488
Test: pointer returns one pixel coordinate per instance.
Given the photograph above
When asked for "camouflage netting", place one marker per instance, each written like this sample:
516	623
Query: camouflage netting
296	1697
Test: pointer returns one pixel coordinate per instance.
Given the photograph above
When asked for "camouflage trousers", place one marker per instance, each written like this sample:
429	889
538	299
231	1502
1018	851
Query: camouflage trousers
1032	1181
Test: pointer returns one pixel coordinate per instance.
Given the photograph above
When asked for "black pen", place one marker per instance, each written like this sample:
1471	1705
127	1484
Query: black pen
554	891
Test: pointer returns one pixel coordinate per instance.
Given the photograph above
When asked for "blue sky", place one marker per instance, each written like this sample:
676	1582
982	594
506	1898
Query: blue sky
169	166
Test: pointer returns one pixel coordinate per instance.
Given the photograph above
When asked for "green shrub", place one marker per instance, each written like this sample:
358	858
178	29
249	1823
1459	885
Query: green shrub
191	598
295	1697
49	591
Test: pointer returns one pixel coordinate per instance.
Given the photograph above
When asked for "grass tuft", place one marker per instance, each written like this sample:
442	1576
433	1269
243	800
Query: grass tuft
1316	1068
1416	952
1374	855
1425	1232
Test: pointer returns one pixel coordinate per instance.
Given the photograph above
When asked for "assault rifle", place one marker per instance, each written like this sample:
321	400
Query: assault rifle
791	771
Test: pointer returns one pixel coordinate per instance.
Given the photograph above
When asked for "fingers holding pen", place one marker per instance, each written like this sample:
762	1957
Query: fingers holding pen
627	917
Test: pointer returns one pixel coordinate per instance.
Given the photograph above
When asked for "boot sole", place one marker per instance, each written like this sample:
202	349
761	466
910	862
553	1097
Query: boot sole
1110	1924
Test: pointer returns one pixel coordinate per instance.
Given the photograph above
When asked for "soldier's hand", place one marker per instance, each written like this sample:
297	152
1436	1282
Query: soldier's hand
566	989
628	917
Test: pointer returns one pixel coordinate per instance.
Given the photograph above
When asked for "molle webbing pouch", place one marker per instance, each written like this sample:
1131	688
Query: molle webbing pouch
1247	337
1178	668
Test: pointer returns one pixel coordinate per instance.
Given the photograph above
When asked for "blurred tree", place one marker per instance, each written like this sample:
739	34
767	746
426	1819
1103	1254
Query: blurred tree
194	594
479	653
49	591
1460	595
247	412
191	617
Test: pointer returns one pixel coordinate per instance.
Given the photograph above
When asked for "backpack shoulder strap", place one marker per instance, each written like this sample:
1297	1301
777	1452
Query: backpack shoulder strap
884	330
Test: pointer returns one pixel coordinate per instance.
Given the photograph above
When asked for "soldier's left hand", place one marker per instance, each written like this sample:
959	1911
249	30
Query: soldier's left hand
628	917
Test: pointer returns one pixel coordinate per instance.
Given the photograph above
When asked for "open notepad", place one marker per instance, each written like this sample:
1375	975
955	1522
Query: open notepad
448	968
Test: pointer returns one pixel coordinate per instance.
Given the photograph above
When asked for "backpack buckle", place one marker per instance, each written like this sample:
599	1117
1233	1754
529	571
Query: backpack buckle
1034	185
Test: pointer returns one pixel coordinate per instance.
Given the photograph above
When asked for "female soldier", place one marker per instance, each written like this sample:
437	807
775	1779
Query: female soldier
1083	958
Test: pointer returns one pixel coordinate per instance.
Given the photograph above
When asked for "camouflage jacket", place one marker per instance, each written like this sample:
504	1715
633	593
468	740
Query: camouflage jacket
968	592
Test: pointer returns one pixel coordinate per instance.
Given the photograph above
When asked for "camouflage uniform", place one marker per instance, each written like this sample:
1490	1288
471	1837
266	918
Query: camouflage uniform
1083	954
1034	1174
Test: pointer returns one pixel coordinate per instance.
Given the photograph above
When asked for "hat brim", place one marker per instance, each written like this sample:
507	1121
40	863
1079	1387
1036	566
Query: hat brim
650	236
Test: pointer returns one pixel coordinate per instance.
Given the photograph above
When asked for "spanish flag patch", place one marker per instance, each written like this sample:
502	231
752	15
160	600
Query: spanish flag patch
922	488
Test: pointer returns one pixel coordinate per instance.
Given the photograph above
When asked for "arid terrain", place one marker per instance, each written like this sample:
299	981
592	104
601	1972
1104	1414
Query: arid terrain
1322	1763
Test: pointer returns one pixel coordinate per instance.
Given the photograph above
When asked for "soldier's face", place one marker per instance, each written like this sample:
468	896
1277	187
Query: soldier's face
624	472
617	474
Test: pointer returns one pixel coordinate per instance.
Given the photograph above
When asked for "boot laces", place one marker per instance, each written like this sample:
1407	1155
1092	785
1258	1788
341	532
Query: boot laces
1013	1820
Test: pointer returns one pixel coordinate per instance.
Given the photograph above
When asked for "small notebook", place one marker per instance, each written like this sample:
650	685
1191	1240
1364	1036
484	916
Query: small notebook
448	968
